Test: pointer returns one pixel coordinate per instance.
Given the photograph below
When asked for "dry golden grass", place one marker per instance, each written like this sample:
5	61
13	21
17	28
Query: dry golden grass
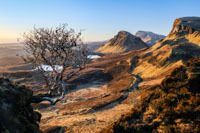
147	70
194	38
84	123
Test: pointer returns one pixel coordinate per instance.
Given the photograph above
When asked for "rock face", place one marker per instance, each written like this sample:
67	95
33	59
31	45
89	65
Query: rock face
16	113
149	38
186	25
182	43
122	42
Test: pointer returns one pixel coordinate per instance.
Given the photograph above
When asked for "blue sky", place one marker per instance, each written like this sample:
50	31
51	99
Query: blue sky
101	19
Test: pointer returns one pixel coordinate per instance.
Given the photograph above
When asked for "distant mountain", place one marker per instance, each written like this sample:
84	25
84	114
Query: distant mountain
122	42
149	37
182	44
95	45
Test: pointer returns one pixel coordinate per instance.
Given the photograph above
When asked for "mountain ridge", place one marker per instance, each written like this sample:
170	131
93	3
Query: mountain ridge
181	44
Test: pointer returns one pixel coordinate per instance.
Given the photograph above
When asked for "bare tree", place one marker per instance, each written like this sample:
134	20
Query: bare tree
60	49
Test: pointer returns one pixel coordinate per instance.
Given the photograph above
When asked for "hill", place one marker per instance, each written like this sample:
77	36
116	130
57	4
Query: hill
181	44
122	42
172	106
148	37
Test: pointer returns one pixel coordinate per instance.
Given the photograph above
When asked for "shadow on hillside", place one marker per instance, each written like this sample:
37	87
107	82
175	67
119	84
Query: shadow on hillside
180	50
93	78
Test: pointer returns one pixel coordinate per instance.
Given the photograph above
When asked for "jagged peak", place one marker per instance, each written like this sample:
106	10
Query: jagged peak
123	32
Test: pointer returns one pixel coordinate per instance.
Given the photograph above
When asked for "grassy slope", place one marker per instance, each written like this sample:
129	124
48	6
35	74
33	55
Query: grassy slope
168	54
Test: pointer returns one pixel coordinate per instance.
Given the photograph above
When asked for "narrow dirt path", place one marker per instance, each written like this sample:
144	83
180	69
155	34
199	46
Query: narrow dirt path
133	87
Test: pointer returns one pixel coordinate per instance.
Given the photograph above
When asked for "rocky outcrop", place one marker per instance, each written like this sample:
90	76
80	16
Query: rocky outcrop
122	42
149	38
186	25
16	113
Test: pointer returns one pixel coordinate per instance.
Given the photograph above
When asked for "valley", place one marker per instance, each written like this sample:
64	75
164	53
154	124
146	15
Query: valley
127	87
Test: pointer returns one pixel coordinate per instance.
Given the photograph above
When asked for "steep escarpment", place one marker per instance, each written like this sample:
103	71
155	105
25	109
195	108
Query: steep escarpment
172	106
149	38
186	25
181	44
122	42
16	113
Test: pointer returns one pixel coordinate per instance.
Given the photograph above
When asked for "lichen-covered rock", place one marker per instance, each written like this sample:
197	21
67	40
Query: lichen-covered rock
16	113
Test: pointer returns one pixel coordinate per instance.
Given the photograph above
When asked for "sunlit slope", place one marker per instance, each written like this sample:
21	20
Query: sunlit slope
181	44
